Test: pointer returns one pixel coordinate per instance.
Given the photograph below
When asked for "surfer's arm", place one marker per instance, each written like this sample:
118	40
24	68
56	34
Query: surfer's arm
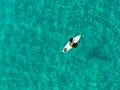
71	39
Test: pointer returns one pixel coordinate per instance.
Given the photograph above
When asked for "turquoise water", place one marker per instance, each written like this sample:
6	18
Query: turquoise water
33	33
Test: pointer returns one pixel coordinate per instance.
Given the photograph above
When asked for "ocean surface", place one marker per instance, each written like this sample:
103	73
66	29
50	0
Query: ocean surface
34	32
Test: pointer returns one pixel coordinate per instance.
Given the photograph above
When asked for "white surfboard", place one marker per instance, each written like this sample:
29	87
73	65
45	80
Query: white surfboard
68	47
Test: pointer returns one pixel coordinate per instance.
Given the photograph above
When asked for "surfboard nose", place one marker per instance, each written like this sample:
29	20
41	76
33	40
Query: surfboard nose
79	35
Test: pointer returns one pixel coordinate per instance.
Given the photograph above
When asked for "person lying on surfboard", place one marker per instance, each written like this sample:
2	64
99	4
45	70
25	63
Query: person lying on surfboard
72	44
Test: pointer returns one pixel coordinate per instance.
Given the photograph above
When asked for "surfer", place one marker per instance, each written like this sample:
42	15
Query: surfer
72	44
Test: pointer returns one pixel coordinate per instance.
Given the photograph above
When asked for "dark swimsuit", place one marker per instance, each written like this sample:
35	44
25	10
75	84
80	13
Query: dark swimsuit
75	45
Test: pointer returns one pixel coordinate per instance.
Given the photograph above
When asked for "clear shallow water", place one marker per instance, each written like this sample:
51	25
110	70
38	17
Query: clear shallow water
33	33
